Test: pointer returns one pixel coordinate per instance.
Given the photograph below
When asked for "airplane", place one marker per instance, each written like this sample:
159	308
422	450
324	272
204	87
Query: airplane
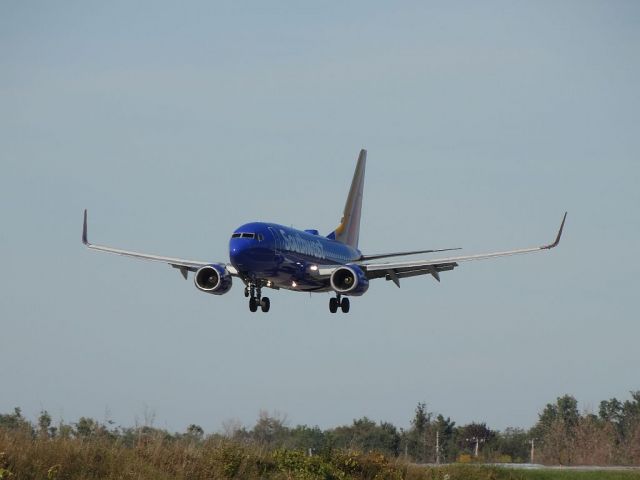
267	255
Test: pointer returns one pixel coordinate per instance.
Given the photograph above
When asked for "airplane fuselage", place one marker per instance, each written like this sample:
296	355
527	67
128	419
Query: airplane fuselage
286	257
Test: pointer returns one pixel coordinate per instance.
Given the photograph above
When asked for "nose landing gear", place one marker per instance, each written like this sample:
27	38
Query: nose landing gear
254	292
339	302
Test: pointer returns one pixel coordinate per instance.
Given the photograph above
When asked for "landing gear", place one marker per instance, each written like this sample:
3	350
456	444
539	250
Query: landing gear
338	302
265	304
345	305
333	305
253	304
254	292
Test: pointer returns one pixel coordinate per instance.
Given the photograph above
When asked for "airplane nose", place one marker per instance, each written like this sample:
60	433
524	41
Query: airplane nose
234	255
237	254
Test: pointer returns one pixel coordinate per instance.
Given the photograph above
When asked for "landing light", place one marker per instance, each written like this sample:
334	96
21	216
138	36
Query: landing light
313	268
269	283
294	284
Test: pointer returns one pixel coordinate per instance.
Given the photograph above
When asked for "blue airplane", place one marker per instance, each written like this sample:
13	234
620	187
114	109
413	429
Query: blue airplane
267	255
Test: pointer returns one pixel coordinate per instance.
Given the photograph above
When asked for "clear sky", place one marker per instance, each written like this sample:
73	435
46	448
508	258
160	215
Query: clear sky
175	122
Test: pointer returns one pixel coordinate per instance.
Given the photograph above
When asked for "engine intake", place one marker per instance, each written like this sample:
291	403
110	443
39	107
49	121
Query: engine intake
213	279
349	280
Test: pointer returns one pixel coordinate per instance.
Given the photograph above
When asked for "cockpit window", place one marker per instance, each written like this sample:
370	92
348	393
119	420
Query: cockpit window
247	235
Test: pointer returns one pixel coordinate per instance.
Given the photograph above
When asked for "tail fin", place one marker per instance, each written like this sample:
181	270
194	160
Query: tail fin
348	231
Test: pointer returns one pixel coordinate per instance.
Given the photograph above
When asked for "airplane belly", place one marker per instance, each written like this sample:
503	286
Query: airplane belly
290	274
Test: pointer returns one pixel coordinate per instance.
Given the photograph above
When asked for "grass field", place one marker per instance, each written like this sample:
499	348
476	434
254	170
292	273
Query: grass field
470	472
576	474
23	456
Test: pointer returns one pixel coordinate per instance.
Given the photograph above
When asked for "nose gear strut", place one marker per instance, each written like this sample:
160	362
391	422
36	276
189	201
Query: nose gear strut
254	292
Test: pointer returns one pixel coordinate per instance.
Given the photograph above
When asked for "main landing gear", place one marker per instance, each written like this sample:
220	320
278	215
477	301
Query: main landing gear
336	302
256	299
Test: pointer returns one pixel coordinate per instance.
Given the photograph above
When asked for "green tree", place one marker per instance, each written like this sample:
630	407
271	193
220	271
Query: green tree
568	411
556	430
44	424
630	411
630	427
611	411
420	439
15	421
564	411
446	431
514	442
474	434
367	436
421	419
194	433
86	427
269	430
307	439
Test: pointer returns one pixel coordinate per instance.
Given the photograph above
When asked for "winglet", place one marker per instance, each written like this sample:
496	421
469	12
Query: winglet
84	229
557	241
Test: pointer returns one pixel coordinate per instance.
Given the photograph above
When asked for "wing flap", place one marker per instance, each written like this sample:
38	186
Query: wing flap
406	272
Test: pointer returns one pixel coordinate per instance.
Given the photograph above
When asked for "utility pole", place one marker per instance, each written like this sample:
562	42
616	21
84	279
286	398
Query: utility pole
437	447
533	449
476	449
424	446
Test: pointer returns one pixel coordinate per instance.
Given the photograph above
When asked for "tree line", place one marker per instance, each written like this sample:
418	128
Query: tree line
562	435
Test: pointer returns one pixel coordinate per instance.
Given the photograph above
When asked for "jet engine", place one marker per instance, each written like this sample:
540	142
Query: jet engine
213	279
349	280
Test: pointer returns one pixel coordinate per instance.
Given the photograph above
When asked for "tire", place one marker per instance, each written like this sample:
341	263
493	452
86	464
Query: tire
253	304
265	304
345	305
333	305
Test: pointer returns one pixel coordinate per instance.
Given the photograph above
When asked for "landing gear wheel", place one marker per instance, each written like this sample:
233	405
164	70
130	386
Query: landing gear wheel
345	305
253	304
265	304
333	305
246	291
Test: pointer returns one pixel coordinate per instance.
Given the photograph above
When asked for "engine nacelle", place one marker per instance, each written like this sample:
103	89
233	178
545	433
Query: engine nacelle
349	280
213	279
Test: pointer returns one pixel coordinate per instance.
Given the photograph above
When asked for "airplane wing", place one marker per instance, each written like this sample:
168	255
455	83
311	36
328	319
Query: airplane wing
365	258
181	264
396	271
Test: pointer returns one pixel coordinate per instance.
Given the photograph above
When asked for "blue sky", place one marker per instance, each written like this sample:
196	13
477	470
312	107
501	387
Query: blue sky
175	123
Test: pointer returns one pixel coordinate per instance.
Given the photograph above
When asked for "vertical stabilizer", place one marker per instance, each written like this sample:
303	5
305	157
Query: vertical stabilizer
348	231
